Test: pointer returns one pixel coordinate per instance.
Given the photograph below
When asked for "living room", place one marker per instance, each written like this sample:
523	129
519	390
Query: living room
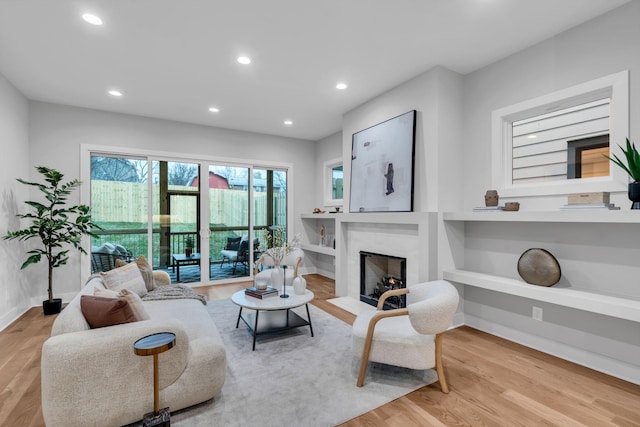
453	170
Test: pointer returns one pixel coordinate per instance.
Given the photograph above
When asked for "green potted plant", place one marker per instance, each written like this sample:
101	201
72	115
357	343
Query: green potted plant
188	245
632	167
56	225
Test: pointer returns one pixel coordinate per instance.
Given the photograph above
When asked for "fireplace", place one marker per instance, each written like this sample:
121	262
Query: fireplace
380	273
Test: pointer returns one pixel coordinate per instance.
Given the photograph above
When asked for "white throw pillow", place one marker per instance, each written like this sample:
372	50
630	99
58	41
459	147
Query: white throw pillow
126	277
105	293
135	303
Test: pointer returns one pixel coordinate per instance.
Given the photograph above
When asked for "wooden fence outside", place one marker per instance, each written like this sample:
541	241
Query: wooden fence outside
121	209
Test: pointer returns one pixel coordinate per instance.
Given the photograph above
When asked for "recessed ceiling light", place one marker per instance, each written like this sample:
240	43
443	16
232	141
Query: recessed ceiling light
244	60
288	122
532	136
214	109
341	86
116	93
92	19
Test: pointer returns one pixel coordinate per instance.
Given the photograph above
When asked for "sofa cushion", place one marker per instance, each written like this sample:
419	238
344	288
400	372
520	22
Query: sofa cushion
145	270
101	312
105	293
126	277
135	303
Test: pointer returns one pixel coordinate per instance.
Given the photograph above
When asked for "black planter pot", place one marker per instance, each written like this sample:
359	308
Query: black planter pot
634	194
52	306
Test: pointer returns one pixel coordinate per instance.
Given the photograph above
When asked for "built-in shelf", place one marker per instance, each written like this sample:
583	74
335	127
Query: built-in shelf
572	216
372	217
320	216
326	250
621	307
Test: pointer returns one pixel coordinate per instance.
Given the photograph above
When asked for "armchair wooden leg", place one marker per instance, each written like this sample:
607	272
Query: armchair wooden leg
439	367
364	359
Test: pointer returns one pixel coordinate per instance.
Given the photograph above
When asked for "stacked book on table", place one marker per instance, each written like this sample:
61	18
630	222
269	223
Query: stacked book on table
261	293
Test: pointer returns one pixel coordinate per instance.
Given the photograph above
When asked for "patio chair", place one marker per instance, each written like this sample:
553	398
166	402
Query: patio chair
103	258
239	255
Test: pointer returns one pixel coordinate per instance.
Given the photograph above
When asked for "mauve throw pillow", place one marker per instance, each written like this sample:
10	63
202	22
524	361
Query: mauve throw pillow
126	277
100	312
135	302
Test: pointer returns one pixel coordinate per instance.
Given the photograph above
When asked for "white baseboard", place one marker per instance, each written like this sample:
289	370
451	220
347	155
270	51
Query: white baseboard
10	317
591	360
66	297
458	320
14	314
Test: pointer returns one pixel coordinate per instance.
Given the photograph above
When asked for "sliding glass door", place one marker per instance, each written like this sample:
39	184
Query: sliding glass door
176	198
198	221
119	204
230	243
270	201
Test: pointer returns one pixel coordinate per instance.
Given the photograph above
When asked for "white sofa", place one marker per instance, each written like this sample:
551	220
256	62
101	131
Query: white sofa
91	377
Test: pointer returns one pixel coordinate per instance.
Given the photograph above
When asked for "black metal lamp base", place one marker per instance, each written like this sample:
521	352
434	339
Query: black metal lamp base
162	418
284	283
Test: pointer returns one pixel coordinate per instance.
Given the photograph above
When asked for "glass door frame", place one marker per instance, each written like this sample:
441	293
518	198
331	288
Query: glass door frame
87	150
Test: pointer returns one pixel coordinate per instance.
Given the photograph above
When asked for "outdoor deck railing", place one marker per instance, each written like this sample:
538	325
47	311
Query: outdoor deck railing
135	241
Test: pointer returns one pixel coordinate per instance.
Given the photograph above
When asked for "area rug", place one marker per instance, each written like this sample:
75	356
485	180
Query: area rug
293	379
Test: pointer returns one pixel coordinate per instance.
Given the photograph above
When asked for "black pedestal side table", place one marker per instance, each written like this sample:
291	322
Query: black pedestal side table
153	345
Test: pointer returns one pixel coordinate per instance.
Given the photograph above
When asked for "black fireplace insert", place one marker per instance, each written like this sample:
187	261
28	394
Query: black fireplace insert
380	273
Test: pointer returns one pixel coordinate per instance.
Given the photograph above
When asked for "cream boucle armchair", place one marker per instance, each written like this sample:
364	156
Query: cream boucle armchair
410	337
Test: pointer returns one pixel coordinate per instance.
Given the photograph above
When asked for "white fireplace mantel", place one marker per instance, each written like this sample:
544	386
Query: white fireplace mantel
406	234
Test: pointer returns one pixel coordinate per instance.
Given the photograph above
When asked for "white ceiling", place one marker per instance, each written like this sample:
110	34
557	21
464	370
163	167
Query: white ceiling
173	59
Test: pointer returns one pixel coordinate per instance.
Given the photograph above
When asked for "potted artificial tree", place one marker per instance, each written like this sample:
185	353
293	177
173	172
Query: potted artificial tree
633	169
56	225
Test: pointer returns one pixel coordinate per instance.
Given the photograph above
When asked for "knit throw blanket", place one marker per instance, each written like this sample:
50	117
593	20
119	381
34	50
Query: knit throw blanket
173	292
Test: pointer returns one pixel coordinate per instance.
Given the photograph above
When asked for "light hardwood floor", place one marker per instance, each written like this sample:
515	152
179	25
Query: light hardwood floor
493	382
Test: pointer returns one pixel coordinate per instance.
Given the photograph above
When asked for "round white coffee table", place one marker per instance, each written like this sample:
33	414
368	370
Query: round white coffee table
276	313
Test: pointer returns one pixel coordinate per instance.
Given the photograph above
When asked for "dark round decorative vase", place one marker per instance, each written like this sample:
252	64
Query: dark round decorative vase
52	306
634	194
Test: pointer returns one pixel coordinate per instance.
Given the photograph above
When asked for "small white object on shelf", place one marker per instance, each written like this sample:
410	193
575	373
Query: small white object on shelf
489	208
607	206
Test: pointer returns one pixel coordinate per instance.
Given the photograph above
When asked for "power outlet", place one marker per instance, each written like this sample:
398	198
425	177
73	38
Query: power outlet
537	313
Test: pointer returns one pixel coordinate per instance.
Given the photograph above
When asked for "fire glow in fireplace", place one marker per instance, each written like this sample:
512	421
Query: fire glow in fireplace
380	273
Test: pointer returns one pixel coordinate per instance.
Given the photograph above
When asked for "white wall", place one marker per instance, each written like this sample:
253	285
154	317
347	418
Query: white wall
595	257
436	96
15	288
600	47
57	132
453	171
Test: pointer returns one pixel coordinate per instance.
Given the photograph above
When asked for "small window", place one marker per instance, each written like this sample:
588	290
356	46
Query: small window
542	144
554	144
332	182
336	182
